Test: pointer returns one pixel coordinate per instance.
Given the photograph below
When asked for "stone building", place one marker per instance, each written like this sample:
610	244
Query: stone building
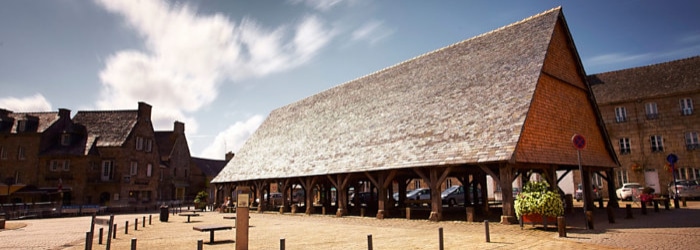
649	113
175	164
504	104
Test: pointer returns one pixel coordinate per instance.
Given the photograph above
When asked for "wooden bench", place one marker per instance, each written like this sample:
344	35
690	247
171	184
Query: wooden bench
211	229
189	215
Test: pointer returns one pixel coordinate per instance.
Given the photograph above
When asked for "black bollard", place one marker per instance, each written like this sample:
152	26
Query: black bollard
666	204
611	215
143	223
369	242
99	238
88	237
282	244
133	243
644	208
110	231
150	216
200	244
561	226
486	227
114	233
126	227
440	239
136	224
628	209
656	206
676	204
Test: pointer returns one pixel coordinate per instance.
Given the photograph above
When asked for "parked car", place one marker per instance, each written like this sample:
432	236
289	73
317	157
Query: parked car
686	188
629	190
363	198
598	193
275	199
454	195
418	194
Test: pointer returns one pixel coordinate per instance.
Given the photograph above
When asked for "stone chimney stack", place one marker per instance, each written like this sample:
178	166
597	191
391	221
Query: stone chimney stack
179	127
144	111
229	156
64	113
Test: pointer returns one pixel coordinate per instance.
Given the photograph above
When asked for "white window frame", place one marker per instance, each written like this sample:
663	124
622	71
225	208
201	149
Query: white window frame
620	114
622	177
139	143
21	155
55	165
66	165
691	140
416	184
134	169
657	143
652	110
65	139
149	145
107	170
686	106
625	146
149	170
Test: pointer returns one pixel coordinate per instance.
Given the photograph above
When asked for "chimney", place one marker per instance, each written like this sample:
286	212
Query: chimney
64	113
229	156
179	127
144	111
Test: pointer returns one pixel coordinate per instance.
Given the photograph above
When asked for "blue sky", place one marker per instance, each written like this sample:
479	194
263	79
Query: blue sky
222	66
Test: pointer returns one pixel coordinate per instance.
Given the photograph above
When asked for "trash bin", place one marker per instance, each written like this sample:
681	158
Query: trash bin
164	213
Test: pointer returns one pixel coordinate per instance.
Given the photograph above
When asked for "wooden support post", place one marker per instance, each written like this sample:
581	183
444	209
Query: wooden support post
628	211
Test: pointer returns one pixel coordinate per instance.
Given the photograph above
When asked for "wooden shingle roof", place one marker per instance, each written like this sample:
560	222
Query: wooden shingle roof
463	104
111	128
656	80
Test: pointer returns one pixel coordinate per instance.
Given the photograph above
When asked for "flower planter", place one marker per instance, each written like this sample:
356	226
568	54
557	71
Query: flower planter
538	219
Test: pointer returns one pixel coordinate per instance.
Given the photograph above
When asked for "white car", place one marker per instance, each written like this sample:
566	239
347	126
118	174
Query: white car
628	191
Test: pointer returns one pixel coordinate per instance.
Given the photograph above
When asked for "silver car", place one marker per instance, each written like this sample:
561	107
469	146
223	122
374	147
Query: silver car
685	189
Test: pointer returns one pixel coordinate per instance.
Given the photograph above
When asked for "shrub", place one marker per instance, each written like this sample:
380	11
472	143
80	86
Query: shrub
536	198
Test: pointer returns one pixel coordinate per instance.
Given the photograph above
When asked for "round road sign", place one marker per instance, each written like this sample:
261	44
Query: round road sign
579	141
672	158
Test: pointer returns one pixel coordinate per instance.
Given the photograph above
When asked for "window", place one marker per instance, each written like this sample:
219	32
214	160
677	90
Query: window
657	143
625	146
134	168
149	170
416	184
20	153
620	114
687	173
448	183
66	165
21	125
149	145
652	111
3	153
65	139
107	170
597	180
622	177
691	140
55	165
686	106
139	143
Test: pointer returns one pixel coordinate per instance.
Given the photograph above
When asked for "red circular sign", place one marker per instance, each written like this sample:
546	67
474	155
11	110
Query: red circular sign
579	141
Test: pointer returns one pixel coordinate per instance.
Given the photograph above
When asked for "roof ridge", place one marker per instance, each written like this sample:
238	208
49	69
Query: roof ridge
649	65
431	52
108	111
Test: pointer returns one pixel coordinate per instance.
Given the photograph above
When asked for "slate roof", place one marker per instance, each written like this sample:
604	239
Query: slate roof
111	128
463	104
209	167
645	82
45	120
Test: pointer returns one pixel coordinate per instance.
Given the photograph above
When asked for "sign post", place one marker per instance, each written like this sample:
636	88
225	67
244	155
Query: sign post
580	143
242	219
672	159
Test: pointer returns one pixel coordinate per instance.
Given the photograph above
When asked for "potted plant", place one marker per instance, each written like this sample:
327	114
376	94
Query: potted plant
200	201
537	202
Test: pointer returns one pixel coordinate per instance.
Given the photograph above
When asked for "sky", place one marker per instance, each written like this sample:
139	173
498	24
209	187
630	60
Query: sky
221	66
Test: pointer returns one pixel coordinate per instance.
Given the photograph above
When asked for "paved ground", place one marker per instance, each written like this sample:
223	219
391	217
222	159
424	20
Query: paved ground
673	229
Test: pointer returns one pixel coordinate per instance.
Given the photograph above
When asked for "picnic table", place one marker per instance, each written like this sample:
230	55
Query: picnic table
211	229
189	215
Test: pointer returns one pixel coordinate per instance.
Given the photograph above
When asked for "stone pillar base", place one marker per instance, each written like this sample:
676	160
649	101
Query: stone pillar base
508	220
380	214
434	216
340	212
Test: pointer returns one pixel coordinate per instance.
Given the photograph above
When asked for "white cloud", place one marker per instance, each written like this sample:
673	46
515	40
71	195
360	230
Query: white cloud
320	5
233	138
34	103
188	55
372	32
616	58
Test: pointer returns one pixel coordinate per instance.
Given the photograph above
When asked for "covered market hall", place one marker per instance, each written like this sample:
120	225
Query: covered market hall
503	104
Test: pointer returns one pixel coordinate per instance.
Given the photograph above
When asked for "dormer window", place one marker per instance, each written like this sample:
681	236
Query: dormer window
21	125
65	139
